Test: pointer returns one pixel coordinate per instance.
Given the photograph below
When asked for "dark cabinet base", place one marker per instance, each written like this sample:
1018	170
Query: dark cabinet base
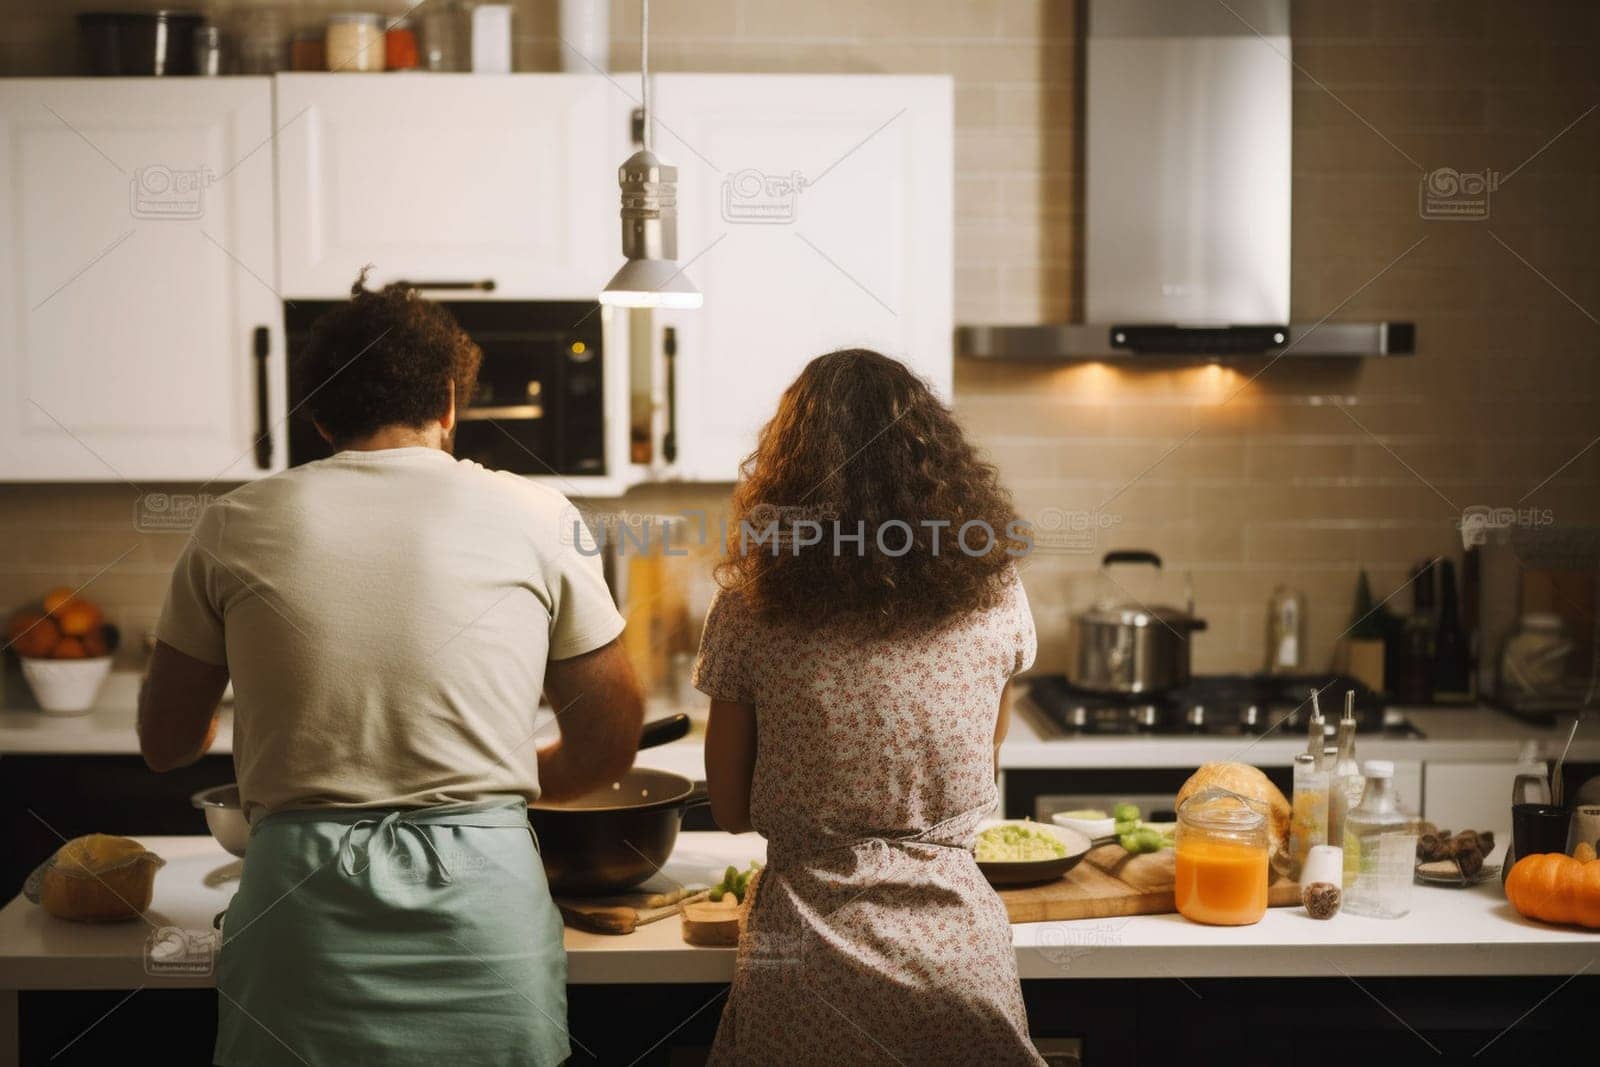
44	799
1283	1023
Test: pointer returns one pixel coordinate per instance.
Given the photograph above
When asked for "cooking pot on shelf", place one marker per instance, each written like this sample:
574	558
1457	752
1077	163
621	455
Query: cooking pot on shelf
1132	648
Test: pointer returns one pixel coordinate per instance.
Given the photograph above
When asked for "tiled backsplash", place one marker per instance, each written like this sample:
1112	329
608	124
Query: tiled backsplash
1300	475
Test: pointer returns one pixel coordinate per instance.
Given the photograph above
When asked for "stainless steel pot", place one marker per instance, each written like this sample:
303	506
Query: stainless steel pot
1132	648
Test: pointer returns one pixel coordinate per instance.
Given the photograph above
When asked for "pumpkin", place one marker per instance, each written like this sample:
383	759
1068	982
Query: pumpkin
1554	888
96	878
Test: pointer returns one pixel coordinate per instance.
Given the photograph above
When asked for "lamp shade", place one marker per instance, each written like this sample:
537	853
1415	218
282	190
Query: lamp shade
651	283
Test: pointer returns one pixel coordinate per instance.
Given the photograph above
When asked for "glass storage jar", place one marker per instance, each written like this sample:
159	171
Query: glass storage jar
1220	865
354	42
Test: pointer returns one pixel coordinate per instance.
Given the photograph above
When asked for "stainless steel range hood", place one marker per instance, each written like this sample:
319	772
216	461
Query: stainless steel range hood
1188	140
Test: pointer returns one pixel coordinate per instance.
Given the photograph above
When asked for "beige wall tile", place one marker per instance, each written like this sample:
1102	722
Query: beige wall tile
1276	483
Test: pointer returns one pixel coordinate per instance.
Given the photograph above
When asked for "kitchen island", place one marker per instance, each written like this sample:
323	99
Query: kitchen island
1449	934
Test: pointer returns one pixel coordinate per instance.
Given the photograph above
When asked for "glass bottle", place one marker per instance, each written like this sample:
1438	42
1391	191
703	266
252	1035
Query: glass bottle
1220	859
261	42
1308	823
1316	731
1345	782
1415	682
208	51
1451	662
1366	619
1378	866
1286	630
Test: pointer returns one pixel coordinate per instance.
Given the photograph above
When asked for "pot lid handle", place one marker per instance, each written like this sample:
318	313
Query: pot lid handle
1131	555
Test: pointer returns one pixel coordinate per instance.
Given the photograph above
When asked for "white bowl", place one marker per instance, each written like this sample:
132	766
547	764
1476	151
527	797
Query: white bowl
1093	828
66	686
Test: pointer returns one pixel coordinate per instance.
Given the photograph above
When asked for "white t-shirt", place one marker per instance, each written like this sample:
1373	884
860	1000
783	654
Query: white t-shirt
386	617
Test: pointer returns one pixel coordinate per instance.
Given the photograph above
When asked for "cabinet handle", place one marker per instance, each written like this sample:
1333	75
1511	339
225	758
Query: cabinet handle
263	345
486	285
669	439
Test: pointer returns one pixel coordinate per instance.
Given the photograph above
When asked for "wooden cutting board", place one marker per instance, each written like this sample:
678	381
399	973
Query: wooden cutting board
622	913
1111	882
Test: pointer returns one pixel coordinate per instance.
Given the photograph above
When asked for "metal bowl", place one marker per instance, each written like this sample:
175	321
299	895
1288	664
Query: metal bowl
224	816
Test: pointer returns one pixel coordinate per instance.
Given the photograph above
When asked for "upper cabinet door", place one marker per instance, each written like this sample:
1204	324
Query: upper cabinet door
137	281
815	214
464	180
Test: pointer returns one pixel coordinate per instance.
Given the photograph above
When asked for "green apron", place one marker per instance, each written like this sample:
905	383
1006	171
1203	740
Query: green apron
389	936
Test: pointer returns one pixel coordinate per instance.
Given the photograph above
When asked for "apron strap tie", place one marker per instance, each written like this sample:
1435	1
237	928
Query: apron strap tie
952	833
388	828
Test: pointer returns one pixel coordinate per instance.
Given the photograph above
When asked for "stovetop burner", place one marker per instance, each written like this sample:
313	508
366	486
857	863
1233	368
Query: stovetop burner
1217	705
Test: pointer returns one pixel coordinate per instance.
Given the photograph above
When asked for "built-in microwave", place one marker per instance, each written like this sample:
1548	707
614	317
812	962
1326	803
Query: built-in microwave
540	402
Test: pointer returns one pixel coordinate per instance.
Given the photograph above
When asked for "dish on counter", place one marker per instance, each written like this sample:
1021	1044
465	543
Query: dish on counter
1460	859
1090	822
1448	873
1050	851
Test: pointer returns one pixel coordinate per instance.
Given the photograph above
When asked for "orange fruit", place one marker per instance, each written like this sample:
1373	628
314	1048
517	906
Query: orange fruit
21	621
68	648
31	634
79	617
56	599
94	642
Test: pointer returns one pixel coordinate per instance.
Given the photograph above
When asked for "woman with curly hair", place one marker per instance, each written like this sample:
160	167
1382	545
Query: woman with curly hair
856	658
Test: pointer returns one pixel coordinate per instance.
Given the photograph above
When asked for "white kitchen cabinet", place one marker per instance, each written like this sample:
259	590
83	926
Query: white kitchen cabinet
814	214
471	181
1472	796
138	280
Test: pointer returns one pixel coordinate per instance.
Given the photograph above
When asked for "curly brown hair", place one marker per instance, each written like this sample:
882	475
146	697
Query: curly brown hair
387	358
861	442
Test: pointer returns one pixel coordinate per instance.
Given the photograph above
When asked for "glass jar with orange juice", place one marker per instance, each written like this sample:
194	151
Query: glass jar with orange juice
1221	859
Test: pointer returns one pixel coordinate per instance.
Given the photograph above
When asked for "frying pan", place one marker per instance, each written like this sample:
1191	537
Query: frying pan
612	838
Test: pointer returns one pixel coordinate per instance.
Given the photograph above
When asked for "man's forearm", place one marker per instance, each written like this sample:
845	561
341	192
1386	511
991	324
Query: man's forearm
170	753
561	777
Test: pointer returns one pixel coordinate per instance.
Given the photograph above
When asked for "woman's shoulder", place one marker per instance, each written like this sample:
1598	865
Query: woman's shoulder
731	608
1009	597
1006	614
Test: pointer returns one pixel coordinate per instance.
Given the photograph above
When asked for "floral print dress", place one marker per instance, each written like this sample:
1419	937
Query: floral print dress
872	936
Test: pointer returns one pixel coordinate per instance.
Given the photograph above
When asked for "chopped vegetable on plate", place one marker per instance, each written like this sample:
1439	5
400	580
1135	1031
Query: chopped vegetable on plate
1018	843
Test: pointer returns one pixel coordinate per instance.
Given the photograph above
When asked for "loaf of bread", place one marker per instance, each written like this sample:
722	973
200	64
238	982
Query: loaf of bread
1255	787
96	878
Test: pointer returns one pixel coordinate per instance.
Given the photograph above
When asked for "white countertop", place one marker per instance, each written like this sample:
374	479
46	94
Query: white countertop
1449	932
1465	735
1452	734
110	729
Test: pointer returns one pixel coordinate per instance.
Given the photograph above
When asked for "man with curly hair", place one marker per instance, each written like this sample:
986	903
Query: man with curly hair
389	617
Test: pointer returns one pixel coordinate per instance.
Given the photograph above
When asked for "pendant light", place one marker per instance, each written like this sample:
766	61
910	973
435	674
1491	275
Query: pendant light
651	277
